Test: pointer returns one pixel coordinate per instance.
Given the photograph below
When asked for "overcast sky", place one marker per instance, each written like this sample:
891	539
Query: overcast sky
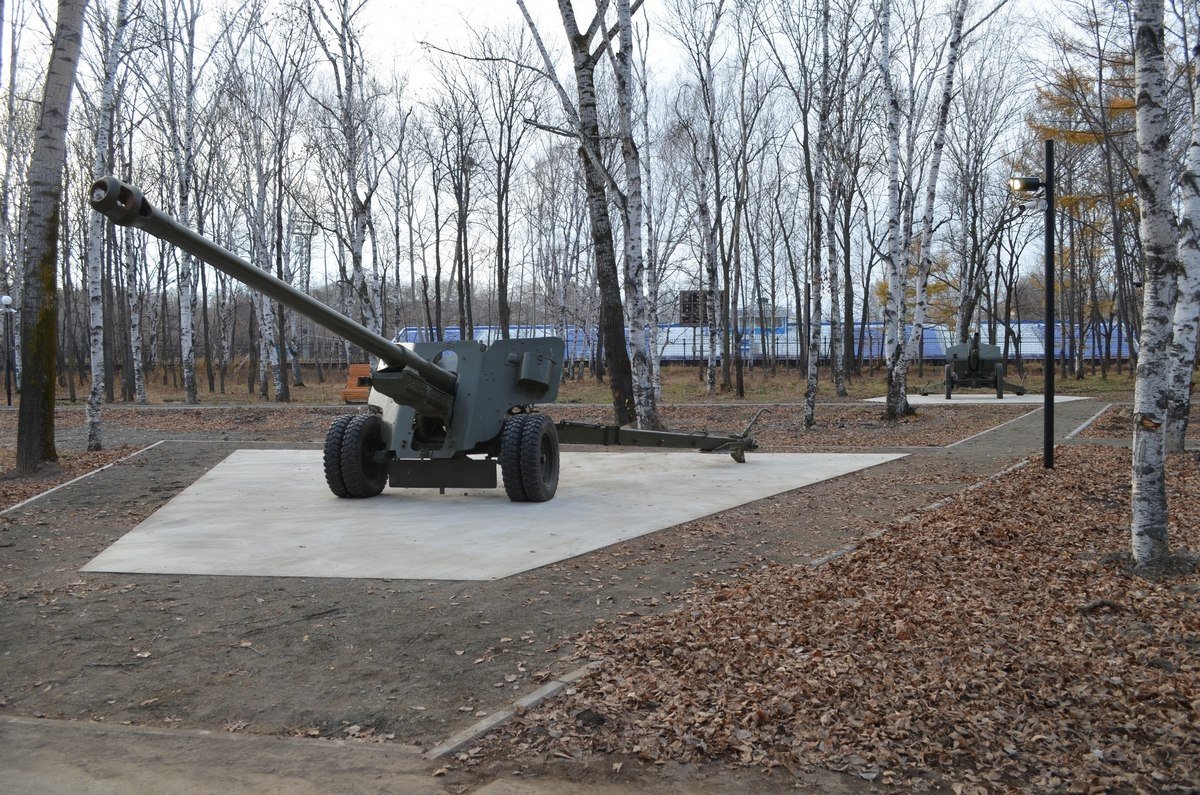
406	23
403	24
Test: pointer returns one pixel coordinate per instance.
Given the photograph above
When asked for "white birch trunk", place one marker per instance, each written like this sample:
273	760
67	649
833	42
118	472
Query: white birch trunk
837	351
135	318
154	311
634	271
292	319
564	276
1187	302
653	273
939	144
95	399
897	270
1148	529
288	317
225	328
269	356
339	41
818	215
6	205
182	128
653	289
261	256
97	228
713	293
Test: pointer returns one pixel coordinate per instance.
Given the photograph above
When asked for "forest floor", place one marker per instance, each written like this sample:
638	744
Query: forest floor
999	640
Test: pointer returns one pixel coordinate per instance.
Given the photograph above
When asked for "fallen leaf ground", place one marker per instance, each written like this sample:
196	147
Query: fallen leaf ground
71	464
999	641
1117	423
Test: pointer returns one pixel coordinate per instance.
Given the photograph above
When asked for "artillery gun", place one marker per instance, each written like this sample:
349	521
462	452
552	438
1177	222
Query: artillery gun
975	365
432	405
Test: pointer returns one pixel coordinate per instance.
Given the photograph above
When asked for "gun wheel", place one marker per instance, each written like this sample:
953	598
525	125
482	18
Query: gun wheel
539	458
333	455
510	457
363	475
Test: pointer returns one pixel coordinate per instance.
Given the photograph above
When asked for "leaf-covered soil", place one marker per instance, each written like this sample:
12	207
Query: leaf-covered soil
239	422
991	643
71	464
1117	423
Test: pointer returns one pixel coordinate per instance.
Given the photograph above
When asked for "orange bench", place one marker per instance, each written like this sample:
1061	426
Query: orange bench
354	392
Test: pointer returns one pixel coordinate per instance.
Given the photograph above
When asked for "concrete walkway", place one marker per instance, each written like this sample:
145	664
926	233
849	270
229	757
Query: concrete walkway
269	513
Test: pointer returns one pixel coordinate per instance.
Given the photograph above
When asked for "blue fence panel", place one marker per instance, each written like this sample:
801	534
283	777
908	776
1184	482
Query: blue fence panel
690	344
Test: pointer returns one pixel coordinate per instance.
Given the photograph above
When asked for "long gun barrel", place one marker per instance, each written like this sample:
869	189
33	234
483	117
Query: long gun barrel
127	206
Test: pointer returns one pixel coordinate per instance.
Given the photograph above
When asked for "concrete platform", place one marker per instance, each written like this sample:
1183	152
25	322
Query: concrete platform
973	398
269	513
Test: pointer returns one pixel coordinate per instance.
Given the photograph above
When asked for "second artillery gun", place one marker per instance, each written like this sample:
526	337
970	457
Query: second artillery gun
976	365
433	405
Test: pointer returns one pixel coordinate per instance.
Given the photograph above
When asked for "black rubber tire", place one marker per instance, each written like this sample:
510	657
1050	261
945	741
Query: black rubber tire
363	475
949	380
510	457
539	458
333	455
1000	382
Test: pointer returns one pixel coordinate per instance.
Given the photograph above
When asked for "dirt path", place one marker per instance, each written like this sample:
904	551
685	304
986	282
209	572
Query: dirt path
409	662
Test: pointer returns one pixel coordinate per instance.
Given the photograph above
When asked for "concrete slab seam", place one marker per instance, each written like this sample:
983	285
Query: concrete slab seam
989	430
481	727
1089	421
85	475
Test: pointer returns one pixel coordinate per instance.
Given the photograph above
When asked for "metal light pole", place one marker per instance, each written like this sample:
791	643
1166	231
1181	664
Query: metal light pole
1048	419
6	308
1046	185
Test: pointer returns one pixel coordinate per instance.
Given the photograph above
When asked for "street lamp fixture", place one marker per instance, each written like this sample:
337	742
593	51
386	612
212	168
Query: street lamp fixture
1045	187
1025	184
7	308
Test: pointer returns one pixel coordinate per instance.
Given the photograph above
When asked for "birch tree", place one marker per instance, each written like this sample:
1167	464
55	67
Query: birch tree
587	47
511	96
19	122
182	63
697	29
131	255
459	133
818	217
355	153
630	198
1187	302
925	246
255	104
895	259
101	165
1160	265
39	317
666	218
